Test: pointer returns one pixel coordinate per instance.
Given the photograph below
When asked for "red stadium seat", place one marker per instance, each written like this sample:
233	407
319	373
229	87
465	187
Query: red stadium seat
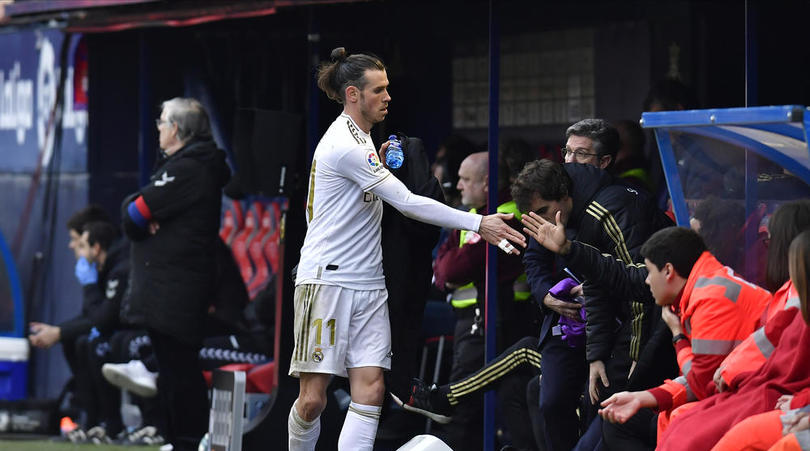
273	240
233	220
261	274
240	244
261	378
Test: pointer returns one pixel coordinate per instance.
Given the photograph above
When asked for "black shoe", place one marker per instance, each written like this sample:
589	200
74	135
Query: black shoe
97	435
424	401
147	435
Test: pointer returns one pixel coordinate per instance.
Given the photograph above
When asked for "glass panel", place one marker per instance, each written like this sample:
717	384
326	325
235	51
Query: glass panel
730	205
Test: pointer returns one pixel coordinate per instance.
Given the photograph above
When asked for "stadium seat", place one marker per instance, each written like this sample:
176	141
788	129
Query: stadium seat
233	220
261	275
240	244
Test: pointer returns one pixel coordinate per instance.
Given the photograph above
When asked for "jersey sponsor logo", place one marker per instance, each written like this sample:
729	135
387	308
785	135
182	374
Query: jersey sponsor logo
370	197
112	287
355	134
373	161
631	190
164	179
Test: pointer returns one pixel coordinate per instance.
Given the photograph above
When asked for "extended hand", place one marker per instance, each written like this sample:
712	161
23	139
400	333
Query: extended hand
494	229
621	406
44	335
551	236
597	373
793	423
783	403
719	382
569	309
672	320
153	227
381	152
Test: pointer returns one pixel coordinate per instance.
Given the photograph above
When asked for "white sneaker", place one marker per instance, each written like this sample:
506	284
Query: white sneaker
132	376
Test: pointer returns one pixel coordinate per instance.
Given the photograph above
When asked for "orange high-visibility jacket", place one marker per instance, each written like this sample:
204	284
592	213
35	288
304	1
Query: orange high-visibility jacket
755	350
718	310
801	399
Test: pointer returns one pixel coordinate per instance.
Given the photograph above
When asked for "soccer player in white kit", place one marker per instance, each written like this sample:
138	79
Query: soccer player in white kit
341	315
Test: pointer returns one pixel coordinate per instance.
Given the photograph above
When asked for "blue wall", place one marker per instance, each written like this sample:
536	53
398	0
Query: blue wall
29	75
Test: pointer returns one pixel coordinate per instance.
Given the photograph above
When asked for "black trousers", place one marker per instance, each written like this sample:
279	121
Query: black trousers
121	347
466	429
76	352
565	376
512	369
182	391
639	433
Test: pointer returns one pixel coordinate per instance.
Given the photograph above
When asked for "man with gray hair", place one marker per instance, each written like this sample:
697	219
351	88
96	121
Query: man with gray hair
173	224
591	141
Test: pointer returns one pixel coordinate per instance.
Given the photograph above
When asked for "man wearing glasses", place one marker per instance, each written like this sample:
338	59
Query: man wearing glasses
591	141
173	224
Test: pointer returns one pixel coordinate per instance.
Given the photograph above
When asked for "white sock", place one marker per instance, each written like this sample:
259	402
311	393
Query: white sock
303	435
359	428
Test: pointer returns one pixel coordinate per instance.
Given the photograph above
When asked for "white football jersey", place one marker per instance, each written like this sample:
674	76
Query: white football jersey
342	244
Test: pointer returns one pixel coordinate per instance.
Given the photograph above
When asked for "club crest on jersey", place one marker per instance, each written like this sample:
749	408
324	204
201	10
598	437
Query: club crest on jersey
317	356
373	161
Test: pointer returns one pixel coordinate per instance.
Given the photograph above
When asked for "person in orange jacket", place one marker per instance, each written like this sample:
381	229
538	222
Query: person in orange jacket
788	221
786	427
765	430
710	311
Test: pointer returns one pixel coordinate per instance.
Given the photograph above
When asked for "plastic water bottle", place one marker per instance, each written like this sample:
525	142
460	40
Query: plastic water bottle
394	156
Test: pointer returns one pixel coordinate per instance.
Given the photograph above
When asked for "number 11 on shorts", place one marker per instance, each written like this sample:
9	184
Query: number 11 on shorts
318	324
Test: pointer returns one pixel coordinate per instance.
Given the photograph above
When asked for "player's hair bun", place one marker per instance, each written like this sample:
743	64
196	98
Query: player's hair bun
338	54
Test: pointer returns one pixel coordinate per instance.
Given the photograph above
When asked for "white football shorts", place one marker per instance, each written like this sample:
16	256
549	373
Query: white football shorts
338	328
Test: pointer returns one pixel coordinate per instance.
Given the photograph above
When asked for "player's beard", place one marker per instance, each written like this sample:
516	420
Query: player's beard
372	115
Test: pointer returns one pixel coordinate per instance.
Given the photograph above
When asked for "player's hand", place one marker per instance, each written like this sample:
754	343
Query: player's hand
569	309
672	319
153	227
793	423
382	151
719	382
551	236
621	406
783	403
597	374
493	228
43	335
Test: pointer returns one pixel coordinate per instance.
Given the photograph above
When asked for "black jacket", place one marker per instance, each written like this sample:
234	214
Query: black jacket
174	271
656	359
616	220
406	246
102	300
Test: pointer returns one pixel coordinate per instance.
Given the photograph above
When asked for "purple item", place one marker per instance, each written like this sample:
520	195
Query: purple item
563	288
573	330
